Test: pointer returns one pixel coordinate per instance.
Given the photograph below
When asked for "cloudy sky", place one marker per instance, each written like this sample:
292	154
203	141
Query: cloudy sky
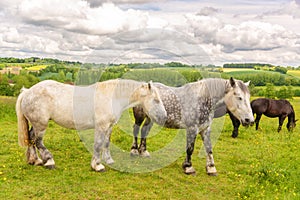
124	31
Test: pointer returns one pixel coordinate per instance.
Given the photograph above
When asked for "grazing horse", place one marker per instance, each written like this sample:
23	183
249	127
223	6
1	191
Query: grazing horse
274	108
98	106
191	107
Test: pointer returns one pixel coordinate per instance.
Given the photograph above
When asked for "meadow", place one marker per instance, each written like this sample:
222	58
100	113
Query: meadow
259	164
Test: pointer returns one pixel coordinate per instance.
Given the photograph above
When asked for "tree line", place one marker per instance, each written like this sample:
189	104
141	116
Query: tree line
176	74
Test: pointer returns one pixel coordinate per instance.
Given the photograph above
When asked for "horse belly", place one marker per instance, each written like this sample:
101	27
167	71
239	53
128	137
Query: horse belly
172	124
79	119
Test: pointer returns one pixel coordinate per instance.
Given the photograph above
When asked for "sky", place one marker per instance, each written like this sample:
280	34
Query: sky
157	31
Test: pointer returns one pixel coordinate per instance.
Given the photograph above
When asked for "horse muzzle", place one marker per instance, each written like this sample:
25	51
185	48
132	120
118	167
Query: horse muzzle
247	122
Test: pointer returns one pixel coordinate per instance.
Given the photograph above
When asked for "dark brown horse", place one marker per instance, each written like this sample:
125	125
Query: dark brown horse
220	111
274	108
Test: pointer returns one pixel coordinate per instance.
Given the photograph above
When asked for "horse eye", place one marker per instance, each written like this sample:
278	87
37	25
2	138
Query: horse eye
240	98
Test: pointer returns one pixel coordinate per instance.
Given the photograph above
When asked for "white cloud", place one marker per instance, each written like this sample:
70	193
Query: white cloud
96	3
194	31
78	16
206	11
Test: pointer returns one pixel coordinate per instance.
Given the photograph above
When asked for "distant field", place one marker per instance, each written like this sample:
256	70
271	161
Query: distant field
236	69
28	66
36	67
295	73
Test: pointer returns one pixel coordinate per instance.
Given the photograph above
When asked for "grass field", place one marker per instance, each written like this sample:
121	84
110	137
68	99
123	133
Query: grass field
237	69
295	73
36	67
260	164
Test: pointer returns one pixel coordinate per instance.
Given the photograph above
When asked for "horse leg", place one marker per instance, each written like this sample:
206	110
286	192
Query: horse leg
236	124
31	154
98	146
136	129
106	151
281	120
191	134
258	116
44	152
144	133
210	163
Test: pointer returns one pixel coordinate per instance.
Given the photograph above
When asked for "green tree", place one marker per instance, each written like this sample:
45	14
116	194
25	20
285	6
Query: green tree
26	81
270	91
285	93
61	77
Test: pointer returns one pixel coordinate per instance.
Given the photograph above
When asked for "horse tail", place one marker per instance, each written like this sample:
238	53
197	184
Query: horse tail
23	127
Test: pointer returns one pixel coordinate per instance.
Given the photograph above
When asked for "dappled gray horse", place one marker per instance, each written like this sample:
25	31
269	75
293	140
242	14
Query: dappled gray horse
98	106
192	107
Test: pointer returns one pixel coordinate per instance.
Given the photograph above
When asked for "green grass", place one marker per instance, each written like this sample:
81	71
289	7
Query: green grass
260	164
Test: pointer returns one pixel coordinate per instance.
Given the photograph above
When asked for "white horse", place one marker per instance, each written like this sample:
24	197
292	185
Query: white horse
98	106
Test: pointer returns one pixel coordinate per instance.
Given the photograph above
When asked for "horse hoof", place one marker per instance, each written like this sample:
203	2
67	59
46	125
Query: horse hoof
211	171
50	164
110	161
38	162
99	168
189	170
145	154
134	152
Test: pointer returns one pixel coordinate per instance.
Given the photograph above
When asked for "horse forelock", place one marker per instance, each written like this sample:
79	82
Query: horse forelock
243	86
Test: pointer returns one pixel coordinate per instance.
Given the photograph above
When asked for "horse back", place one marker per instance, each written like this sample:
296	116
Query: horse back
260	105
271	107
58	102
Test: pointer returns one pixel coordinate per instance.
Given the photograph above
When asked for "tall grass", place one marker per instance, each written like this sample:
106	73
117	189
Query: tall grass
259	164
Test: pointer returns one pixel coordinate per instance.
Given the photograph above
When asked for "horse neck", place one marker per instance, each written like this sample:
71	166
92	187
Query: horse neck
291	116
213	88
125	90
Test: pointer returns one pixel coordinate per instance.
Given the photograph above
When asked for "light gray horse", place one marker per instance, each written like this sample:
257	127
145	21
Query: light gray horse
192	107
98	106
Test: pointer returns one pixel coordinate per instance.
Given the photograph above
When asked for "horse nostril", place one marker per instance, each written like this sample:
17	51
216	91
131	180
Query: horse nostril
247	120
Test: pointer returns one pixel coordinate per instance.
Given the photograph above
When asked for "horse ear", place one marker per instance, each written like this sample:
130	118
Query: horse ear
247	84
150	85
232	82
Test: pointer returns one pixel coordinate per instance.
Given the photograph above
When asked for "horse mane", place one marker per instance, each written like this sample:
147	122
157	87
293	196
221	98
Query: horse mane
243	86
213	87
119	86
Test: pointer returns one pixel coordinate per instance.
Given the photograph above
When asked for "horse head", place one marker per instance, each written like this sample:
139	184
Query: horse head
237	100
291	124
150	100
